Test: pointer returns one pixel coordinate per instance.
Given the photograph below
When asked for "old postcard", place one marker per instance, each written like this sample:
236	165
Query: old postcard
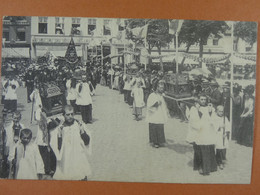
131	100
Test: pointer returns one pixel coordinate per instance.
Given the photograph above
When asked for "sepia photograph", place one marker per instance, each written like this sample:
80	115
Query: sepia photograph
127	100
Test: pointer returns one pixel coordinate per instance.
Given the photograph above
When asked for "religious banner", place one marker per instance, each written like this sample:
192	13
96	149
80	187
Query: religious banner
71	53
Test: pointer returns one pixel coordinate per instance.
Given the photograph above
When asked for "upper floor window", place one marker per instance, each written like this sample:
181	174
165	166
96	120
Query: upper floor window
107	28
43	25
59	26
20	34
75	27
91	25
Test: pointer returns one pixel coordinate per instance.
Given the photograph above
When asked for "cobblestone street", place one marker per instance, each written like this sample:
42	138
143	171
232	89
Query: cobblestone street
121	150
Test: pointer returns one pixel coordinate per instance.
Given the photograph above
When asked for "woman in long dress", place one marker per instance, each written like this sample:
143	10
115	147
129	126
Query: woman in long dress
237	109
246	126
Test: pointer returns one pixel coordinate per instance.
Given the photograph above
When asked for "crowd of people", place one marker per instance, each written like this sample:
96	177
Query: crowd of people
59	148
57	139
208	117
210	129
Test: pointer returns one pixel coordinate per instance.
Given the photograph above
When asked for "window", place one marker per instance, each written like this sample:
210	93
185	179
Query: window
215	41
20	36
75	27
6	35
59	26
107	29
91	25
42	25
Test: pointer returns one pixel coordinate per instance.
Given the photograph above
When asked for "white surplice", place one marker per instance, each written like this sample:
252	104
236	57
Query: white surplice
72	159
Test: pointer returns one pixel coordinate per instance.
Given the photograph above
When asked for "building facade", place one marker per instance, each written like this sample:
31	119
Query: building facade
93	37
16	37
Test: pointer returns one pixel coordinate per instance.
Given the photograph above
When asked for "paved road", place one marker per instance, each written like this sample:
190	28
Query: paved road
121	150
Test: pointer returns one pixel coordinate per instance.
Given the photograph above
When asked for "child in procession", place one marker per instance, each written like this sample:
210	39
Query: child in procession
138	95
222	128
25	159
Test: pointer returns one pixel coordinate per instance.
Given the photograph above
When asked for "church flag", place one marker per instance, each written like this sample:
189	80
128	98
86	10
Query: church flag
71	53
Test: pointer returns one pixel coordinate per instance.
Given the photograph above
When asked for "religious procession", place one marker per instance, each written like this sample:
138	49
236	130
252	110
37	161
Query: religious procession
89	116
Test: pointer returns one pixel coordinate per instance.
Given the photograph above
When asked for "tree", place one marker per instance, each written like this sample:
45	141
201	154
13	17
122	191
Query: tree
247	31
198	32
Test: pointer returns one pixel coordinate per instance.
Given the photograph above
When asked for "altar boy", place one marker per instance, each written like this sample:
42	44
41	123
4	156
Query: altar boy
222	128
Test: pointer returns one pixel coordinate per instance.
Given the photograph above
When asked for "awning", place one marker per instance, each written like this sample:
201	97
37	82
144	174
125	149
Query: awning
17	52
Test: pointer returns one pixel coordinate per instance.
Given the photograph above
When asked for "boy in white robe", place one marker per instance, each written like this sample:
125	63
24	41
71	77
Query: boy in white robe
37	103
69	142
222	128
138	95
25	160
13	131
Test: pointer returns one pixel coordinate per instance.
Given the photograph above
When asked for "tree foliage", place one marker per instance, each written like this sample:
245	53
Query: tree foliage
247	31
199	31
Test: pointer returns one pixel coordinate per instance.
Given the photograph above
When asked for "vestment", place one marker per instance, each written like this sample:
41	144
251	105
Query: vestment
206	142
12	130
72	160
71	92
37	104
138	95
71	95
157	115
28	161
84	100
192	136
11	96
194	125
127	89
221	143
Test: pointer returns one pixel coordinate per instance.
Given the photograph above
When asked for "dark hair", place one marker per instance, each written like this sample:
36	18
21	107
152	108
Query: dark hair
13	87
249	89
26	132
202	95
67	107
